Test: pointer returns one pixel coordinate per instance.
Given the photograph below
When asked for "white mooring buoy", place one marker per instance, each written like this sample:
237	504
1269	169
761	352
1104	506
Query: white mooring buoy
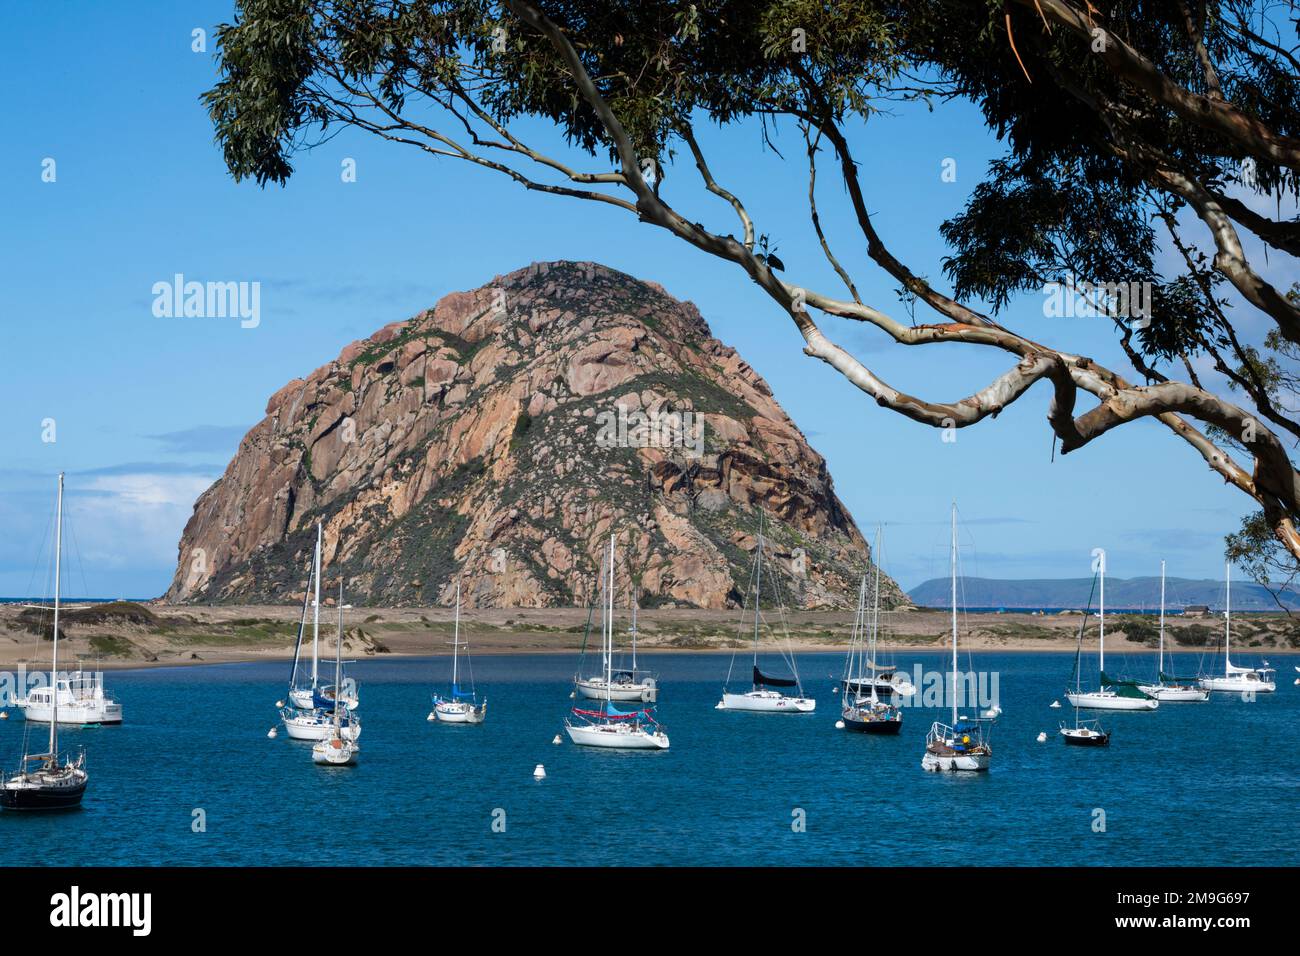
273	733
1056	705
1042	736
557	740
539	772
839	725
4	714
279	703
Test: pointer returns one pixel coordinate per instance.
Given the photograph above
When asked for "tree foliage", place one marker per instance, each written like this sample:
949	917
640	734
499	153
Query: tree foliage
1149	128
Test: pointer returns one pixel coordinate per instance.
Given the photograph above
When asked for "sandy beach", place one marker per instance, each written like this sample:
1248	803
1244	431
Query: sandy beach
153	634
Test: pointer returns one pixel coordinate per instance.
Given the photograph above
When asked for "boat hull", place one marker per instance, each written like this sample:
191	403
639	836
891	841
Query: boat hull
880	727
300	729
967	763
1164	692
596	690
614	738
1085	738
459	713
57	797
1100	700
334	752
767	702
1236	685
73	715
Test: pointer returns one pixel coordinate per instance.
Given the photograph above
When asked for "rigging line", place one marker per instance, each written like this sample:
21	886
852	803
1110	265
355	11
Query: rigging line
36	563
70	527
787	652
46	611
740	623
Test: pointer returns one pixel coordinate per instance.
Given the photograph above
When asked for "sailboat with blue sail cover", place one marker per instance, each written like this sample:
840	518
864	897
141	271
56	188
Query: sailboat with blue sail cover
964	744
604	724
310	714
459	706
308	697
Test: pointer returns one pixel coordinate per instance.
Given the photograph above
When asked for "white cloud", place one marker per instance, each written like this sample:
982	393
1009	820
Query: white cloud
134	520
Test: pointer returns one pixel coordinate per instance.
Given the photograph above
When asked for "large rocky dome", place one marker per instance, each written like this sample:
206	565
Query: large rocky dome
482	439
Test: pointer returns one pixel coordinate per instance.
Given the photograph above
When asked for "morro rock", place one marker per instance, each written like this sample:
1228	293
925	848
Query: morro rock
501	437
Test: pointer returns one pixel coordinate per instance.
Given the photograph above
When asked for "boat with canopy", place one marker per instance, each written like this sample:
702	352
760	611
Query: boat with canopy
964	744
459	706
48	781
865	712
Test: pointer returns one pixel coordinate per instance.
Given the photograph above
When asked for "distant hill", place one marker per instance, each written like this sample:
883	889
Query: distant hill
1120	593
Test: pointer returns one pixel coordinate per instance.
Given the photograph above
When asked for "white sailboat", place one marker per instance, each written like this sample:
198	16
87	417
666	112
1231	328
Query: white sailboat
1237	680
336	750
962	745
869	677
459	707
863	710
1112	694
763	697
1169	688
317	695
607	726
624	684
48	781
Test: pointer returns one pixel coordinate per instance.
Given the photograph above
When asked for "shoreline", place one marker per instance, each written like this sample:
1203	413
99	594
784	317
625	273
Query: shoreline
126	636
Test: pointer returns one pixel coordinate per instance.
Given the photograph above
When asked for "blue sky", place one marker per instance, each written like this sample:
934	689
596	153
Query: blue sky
149	410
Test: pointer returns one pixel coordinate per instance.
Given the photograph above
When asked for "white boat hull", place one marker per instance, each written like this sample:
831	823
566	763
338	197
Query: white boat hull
73	714
1107	700
954	762
594	689
1237	685
304	727
335	752
1161	692
459	713
616	737
767	702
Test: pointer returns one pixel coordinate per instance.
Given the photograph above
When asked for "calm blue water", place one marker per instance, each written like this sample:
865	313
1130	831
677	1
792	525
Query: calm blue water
1199	784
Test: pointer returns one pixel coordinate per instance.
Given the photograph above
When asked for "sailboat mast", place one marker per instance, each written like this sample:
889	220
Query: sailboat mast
609	634
455	642
54	660
954	614
338	664
1101	614
315	624
1162	618
875	618
632	594
758	584
1227	616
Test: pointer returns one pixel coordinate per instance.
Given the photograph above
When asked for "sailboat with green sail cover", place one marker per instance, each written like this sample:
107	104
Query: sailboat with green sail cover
1112	694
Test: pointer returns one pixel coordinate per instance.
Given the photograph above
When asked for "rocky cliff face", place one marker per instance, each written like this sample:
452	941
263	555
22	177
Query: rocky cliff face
501	437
